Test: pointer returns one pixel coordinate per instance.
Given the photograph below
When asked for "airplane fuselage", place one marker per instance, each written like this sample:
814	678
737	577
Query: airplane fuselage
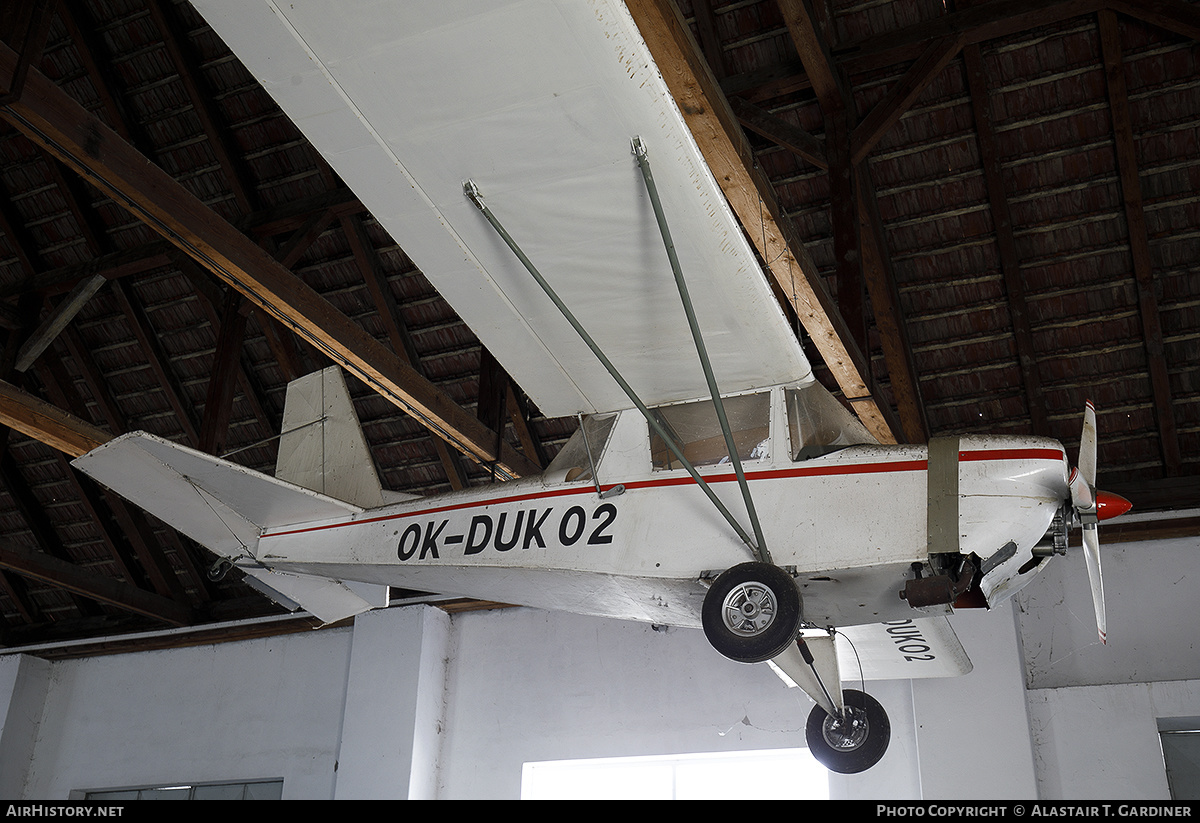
849	526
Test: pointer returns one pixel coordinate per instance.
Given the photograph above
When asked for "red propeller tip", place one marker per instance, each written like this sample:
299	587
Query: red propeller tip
1110	505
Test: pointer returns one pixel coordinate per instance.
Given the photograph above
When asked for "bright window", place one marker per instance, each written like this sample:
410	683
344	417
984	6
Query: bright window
251	790
776	774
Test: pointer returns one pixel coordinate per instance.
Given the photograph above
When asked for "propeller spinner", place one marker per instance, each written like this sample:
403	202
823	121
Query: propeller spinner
1090	507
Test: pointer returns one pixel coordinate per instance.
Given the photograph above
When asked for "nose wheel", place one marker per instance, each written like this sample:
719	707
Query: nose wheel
752	612
853	742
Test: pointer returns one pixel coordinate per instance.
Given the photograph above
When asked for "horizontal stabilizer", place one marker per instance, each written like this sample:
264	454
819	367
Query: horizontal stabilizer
902	650
221	505
899	650
327	600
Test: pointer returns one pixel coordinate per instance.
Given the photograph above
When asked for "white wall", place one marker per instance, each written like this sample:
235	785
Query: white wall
1101	742
1151	595
237	711
1095	708
530	685
414	703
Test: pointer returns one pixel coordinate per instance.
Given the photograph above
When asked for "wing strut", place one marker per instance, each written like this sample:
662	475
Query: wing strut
639	151
472	193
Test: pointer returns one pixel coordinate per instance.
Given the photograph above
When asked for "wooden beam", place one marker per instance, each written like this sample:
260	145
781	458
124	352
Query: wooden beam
780	132
159	362
36	418
236	175
710	42
518	415
51	119
65	575
889	319
1171	15
399	337
44	535
974	24
30	39
1006	246
749	193
844	220
1139	240
81	31
132	522
111	266
902	95
56	321
814	53
223	376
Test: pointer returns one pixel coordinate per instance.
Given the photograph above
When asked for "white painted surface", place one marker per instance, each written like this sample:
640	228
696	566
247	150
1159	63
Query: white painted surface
1152	591
395	699
23	684
1101	742
978	719
236	711
535	101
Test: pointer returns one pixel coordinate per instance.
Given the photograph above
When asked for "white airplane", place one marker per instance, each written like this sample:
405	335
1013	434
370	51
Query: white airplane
527	156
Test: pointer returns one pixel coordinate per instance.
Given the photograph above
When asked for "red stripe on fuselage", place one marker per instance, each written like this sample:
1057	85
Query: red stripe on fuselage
770	474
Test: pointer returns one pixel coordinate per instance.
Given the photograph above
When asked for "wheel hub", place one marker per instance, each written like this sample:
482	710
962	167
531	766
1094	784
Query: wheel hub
849	732
749	609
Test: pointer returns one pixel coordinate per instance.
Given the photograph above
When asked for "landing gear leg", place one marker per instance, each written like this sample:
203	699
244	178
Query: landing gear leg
853	742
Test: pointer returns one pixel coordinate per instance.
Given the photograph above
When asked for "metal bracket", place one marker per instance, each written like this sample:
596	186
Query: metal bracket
942	528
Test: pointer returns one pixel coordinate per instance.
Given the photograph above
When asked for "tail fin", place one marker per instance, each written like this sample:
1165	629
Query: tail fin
322	447
324	471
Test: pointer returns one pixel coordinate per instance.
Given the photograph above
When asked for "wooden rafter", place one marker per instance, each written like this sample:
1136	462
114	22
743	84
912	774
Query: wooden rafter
780	132
860	246
1139	241
52	120
37	419
1006	247
133	522
222	377
901	96
202	104
148	342
889	320
399	337
62	574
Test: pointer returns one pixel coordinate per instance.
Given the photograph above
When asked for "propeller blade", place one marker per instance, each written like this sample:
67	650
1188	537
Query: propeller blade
1081	493
1087	446
1091	551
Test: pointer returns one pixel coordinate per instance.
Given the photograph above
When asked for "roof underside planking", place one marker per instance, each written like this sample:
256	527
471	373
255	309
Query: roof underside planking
978	216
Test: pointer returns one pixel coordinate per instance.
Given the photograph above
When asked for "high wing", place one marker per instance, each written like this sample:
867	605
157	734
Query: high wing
536	102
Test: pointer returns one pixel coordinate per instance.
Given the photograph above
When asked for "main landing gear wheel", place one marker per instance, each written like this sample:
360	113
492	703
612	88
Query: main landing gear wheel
857	741
752	612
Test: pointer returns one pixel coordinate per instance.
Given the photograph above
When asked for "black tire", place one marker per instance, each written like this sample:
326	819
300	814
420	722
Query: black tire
752	612
850	751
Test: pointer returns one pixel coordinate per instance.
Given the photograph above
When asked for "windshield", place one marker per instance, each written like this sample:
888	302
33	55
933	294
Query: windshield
819	424
574	454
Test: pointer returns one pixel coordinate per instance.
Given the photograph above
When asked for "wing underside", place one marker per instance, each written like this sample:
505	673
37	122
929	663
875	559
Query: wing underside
536	102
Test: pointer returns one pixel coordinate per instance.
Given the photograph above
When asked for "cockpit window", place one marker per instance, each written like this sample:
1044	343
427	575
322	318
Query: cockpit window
819	424
696	430
574	454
